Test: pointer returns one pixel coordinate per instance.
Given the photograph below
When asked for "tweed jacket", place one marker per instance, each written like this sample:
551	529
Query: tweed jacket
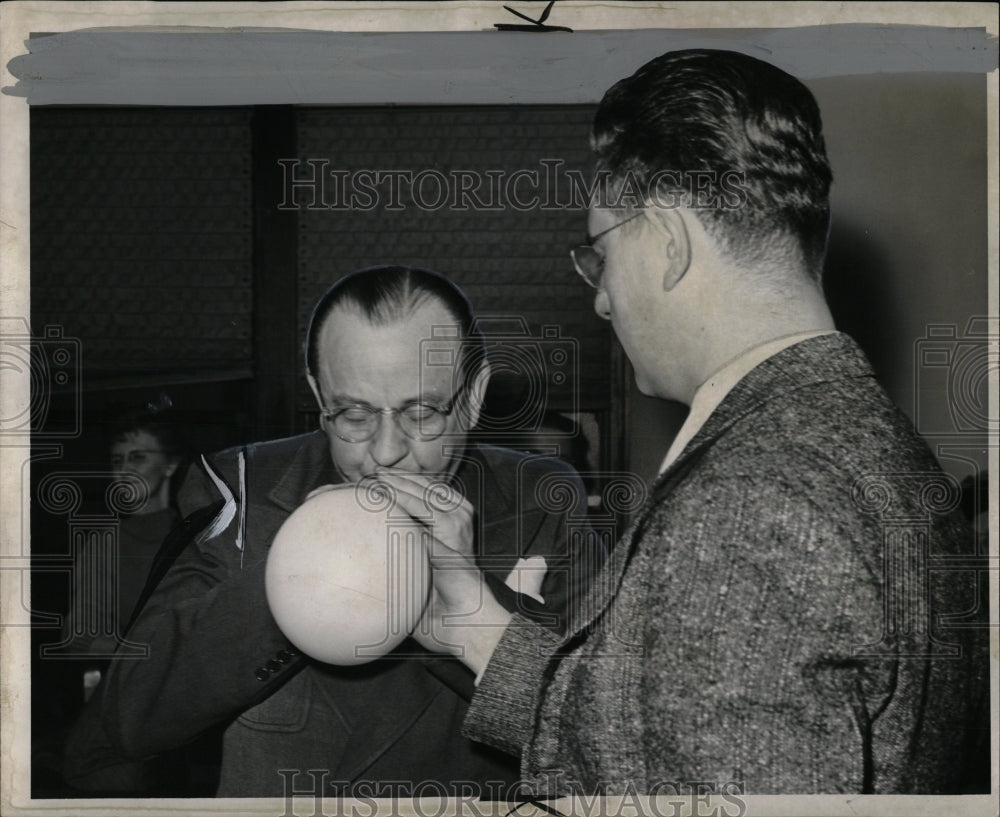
217	656
765	625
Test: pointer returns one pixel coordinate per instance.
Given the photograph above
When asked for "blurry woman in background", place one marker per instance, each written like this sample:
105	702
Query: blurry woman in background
146	444
147	452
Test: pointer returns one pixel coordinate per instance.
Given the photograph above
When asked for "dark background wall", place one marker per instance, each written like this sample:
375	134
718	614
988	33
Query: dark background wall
142	252
141	236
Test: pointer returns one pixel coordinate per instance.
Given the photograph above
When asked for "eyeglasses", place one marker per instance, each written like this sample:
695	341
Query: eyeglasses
419	421
136	456
589	262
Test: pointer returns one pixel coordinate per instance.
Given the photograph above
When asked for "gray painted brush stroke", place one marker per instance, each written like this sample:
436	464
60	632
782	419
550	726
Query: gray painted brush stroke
212	66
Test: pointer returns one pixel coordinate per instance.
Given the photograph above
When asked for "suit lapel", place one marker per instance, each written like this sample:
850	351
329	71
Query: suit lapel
498	523
310	467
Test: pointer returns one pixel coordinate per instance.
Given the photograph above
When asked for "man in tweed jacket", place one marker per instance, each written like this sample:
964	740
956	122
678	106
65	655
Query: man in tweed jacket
768	623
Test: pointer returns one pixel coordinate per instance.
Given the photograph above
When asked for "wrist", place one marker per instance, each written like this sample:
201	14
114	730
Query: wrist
480	647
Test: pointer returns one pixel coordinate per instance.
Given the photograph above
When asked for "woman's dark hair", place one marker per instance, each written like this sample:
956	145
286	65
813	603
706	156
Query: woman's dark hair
157	419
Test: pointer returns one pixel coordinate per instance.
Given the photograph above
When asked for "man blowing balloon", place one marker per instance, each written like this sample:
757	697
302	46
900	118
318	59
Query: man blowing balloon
399	372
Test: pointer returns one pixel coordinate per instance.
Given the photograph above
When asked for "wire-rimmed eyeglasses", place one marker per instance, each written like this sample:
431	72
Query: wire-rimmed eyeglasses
589	262
358	422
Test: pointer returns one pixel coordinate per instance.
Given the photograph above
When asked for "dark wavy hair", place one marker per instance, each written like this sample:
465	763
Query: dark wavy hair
387	293
158	420
747	133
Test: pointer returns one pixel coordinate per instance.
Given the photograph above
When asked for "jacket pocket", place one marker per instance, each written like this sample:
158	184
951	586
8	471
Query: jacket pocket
287	710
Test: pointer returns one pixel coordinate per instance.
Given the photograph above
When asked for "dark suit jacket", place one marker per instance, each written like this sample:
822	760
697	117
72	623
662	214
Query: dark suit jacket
767	623
217	657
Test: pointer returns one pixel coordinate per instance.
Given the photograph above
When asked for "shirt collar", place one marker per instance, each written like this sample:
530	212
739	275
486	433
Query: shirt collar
714	390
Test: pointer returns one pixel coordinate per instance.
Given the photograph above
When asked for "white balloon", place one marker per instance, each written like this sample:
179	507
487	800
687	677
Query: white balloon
346	583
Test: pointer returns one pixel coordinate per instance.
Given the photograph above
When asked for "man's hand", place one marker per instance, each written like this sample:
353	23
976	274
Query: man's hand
462	617
443	510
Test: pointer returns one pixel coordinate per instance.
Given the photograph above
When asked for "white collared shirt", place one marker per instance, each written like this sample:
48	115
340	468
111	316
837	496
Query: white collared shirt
714	390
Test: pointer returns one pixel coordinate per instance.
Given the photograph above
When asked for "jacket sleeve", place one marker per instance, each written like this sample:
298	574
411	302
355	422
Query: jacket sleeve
213	647
502	712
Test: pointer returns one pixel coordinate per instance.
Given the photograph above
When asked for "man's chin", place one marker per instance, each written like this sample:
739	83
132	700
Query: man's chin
644	386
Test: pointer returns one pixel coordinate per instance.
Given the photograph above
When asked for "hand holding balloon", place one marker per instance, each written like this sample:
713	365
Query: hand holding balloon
345	582
462	618
430	500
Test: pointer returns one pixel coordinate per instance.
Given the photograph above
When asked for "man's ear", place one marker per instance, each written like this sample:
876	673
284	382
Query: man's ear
315	389
477	395
676	248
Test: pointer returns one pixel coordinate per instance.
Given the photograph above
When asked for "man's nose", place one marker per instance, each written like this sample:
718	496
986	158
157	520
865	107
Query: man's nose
390	444
601	305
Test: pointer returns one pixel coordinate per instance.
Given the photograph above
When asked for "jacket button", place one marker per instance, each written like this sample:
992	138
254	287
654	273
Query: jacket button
273	665
284	656
262	674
